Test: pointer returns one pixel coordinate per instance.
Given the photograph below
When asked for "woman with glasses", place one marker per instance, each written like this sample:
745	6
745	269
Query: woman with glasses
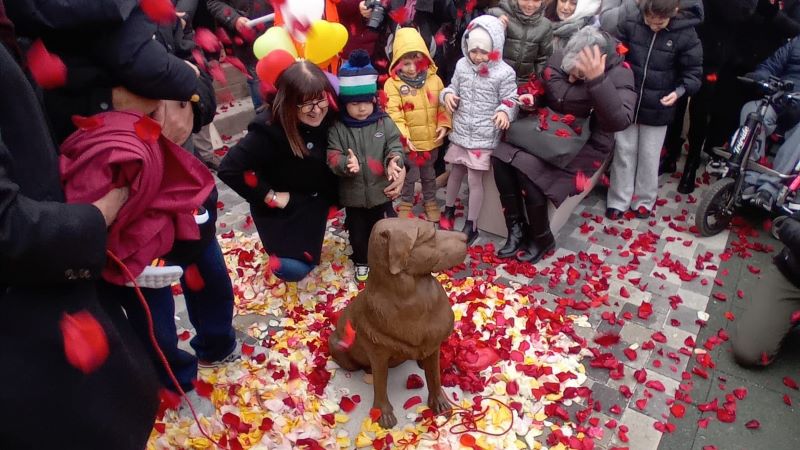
585	79
279	167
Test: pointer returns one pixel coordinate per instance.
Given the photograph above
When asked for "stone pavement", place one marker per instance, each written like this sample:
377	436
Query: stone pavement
677	277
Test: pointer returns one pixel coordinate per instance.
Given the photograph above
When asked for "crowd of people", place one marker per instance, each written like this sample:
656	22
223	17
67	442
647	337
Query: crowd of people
536	92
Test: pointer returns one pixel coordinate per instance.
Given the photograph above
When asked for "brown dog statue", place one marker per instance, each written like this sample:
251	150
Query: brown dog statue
403	313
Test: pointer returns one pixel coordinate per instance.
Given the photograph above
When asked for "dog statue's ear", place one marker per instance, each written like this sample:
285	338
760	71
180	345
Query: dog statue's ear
400	242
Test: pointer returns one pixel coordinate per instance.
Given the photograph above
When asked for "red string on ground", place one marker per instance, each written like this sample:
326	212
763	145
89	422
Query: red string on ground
160	354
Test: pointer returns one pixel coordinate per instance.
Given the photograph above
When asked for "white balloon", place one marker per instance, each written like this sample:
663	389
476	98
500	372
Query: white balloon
304	11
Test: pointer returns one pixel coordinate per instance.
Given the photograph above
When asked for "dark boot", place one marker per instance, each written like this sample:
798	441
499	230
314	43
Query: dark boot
686	185
471	231
515	224
540	240
448	218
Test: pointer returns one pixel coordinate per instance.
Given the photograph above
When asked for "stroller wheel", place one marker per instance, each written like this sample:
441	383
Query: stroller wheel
777	223
715	210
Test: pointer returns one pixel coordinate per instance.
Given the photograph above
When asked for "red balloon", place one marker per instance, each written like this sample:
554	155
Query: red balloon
270	67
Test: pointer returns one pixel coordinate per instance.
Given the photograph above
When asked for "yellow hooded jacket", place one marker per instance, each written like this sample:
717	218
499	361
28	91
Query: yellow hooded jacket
417	112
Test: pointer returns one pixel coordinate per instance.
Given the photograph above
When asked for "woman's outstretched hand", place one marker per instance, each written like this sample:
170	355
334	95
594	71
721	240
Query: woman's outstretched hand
396	186
393	169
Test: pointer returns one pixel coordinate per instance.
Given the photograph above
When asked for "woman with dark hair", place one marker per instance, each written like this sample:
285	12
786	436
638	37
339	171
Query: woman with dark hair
586	79
569	16
279	167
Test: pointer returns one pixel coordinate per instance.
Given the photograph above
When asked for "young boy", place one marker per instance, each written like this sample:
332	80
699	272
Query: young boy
413	103
667	63
364	149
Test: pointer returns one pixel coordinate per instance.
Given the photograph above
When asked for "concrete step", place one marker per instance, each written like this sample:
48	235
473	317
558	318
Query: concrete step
233	116
235	88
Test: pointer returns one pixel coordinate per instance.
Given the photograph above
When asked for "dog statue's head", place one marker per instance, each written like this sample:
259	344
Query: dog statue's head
414	246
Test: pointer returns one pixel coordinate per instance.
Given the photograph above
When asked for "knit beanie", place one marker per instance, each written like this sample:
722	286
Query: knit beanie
357	78
479	38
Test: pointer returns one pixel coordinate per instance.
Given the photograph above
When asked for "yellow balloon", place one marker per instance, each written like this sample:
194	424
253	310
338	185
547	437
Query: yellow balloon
324	41
275	38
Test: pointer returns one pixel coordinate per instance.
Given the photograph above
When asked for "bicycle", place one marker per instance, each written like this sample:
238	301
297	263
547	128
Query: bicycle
718	205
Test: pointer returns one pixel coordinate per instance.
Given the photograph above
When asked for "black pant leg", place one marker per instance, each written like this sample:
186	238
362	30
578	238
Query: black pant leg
674	139
357	221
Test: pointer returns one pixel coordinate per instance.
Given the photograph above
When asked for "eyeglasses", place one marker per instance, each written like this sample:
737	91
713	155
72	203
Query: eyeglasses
307	107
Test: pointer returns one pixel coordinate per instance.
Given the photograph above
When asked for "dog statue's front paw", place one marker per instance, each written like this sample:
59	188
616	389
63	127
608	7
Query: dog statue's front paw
387	419
438	403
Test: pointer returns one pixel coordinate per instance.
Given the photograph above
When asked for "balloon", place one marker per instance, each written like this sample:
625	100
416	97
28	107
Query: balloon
334	80
275	38
302	11
270	67
325	40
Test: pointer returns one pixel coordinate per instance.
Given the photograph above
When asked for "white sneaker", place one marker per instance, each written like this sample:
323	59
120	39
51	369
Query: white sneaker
202	406
233	356
362	272
156	277
716	167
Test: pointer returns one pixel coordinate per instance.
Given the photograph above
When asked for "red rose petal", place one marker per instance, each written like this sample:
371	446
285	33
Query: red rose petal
374	414
85	342
645	310
147	129
159	11
753	425
678	410
87	123
250	179
414	381
415	400
346	404
194	281
790	383
203	388
47	69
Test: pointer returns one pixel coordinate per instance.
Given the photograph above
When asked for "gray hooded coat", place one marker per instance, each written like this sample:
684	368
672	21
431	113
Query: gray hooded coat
483	89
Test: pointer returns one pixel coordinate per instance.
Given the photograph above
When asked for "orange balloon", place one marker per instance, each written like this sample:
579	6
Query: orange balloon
270	67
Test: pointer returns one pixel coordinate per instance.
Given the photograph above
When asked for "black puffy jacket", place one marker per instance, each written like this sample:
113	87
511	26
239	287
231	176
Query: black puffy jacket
788	260
663	62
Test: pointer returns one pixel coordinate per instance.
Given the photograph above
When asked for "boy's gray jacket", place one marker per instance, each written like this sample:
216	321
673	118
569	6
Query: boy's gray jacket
483	92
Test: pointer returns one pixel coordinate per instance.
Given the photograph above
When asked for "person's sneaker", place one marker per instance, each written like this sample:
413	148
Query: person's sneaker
362	273
233	356
202	406
642	212
613	213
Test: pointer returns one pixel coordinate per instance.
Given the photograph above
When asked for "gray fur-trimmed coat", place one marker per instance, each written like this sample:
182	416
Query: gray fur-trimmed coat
483	91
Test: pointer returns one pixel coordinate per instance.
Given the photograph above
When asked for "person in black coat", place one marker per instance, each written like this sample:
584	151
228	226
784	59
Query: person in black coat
104	44
770	314
667	61
50	255
280	168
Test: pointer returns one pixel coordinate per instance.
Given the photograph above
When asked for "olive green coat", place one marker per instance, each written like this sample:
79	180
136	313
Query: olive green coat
374	145
529	39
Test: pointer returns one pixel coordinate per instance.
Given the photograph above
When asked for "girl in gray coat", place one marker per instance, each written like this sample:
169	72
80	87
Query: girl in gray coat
482	97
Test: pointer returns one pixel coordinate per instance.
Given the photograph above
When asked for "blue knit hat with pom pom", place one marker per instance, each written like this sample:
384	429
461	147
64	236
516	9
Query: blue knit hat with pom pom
357	78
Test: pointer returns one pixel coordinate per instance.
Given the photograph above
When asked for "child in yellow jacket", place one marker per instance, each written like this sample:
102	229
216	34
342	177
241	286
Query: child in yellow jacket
413	103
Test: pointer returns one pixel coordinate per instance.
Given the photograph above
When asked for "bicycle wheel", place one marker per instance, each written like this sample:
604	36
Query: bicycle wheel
715	210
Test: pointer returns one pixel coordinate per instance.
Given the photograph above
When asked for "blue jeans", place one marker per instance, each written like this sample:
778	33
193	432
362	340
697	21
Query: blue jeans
210	312
254	86
293	269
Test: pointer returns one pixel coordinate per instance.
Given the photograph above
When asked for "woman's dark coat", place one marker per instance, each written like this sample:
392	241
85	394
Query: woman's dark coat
296	231
611	99
49	254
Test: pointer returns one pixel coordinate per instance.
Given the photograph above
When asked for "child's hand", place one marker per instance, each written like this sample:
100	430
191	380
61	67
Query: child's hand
393	170
669	99
410	145
504	20
441	132
451	102
352	161
500	120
